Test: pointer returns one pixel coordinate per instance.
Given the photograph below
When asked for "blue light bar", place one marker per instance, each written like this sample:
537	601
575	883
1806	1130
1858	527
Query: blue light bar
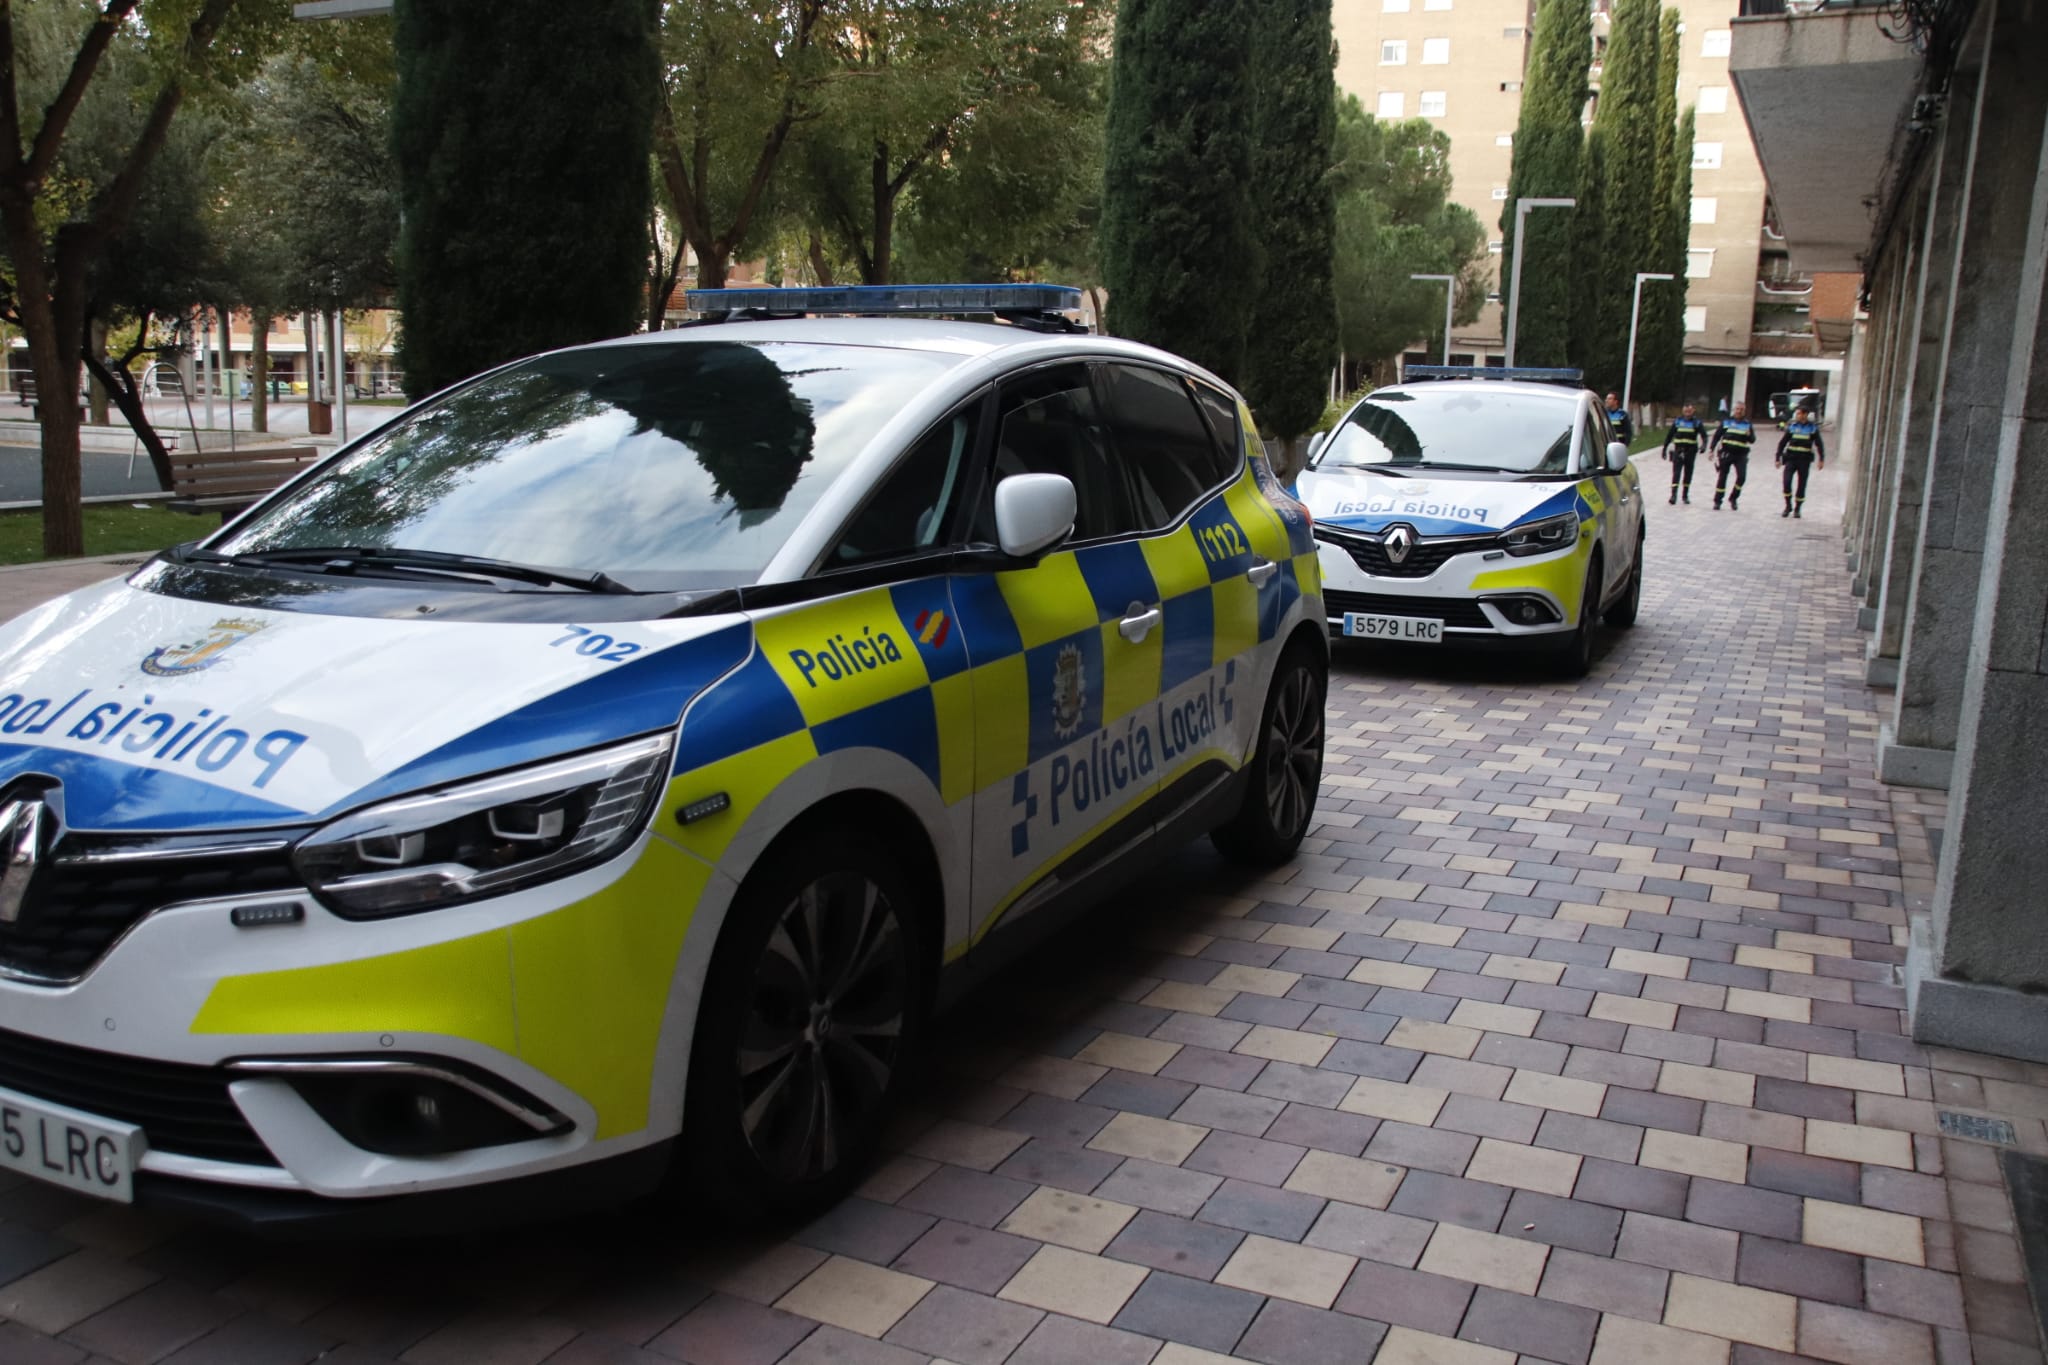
887	299
1531	373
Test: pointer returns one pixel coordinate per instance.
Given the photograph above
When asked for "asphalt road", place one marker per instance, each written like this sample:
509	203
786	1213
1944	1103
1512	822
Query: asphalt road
105	473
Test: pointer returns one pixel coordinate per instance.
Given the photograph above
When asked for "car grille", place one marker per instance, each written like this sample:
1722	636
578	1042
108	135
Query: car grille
76	905
182	1109
1424	558
1452	611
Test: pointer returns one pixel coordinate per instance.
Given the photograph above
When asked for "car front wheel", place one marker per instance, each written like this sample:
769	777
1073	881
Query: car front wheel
1623	613
811	1010
1575	657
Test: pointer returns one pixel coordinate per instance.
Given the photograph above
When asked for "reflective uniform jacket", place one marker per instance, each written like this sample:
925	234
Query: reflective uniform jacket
1624	430
1735	438
1801	441
1684	436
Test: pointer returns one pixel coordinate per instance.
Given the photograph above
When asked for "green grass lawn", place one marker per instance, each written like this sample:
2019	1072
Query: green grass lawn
110	528
1647	438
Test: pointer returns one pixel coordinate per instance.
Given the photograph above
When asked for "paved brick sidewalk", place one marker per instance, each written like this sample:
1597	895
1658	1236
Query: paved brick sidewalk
1574	1036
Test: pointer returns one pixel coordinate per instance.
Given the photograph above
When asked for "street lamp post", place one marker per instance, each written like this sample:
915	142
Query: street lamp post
1522	207
1635	312
1450	283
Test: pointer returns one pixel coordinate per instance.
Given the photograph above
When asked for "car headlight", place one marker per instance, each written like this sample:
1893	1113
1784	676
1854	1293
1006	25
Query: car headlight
1560	532
487	837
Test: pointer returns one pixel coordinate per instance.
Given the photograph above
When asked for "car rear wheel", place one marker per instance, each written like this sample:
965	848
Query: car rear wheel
811	1011
1623	613
1286	768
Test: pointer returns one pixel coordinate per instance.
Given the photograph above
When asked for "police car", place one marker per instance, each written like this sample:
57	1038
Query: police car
1478	506
604	769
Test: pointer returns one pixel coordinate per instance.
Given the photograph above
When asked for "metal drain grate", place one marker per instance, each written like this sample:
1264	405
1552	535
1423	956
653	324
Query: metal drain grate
1977	1128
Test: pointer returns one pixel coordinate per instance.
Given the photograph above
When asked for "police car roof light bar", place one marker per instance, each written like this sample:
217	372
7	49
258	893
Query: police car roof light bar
1533	374
1031	304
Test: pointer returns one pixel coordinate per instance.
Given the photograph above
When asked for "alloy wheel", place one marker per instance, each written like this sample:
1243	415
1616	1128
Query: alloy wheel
1294	752
823	1030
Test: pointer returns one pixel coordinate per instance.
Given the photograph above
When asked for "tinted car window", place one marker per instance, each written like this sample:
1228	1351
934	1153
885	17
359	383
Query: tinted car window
1222	414
908	513
1473	425
1163	441
678	465
1050	424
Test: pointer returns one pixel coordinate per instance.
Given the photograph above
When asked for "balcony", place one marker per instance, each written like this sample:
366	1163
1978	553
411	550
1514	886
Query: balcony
1824	91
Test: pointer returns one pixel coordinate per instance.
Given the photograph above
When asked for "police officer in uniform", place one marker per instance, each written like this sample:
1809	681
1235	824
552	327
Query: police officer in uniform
1618	421
1682	448
1732	442
1799	449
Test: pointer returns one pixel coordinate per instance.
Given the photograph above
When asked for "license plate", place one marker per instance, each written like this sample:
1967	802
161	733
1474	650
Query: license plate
1407	630
94	1155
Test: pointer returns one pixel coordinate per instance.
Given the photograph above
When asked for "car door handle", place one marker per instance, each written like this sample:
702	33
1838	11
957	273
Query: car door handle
1260	572
1138	622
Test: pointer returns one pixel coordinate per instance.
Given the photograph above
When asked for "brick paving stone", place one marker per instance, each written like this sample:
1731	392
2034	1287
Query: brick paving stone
1792	1173
1672	1245
1406	1298
1452	1199
1327	1130
1553	1331
1623	1186
1430	1149
728	1329
1370	1234
835	1346
1062	1340
1287	1333
1193	1312
1248	1207
1236	1156
1572	1223
256	1339
1608	1286
1744	1208
1809	1272
1174	1244
1039	1162
951	1192
966	1256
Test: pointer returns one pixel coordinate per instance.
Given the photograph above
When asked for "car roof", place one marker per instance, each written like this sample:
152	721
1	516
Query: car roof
1514	387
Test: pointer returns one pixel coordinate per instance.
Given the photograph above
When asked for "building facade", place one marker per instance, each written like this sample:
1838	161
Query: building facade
1750	323
1925	169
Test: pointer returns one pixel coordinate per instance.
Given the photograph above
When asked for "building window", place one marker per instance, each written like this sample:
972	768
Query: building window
1494	247
1394	52
1390	104
1699	262
1714	43
1432	105
1706	156
1504	140
1436	51
1500	192
1511	87
1705	208
1713	99
1696	318
1515	31
1393	6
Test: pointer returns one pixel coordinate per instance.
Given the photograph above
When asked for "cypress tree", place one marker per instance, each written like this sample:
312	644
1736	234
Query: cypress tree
1659	366
1546	165
1594	349
1293	339
1177	242
522	133
1664	348
1626	120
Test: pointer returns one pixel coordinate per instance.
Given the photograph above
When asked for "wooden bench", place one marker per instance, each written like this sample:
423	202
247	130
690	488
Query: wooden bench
227	481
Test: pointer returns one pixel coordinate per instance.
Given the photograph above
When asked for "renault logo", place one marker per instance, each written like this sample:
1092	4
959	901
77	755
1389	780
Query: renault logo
1398	543
21	844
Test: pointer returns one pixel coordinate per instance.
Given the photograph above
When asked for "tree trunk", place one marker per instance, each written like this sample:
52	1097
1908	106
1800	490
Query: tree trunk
57	400
121	387
820	267
711	271
259	371
96	349
885	216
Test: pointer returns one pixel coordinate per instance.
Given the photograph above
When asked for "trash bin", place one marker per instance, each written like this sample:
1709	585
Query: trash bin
319	418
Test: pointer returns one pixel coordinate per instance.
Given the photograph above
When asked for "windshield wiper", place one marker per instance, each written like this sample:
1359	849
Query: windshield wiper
1473	468
1379	469
351	556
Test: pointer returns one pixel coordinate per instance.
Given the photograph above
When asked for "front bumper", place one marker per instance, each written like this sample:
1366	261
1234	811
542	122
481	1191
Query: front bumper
1481	597
556	998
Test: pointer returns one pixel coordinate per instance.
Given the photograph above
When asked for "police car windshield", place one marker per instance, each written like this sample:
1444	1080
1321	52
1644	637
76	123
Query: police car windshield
1471	425
665	466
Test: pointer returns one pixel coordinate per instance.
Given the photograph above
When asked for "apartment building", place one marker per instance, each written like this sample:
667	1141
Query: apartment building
1459	64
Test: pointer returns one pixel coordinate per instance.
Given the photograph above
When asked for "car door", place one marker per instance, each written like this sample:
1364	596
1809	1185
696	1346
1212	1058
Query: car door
1621	490
1066	655
1210	578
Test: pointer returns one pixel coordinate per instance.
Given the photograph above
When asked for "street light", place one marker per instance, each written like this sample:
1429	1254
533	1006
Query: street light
1635	311
1522	207
1450	283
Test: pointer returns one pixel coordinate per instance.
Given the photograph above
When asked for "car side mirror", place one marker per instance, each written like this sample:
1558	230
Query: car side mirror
1315	446
1617	457
1034	512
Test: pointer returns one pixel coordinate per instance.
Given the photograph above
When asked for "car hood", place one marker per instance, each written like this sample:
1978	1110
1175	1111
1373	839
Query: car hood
162	713
1441	506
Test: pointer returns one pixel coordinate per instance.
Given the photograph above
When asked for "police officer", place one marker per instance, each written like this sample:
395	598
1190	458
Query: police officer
1682	447
1732	442
1617	420
1799	449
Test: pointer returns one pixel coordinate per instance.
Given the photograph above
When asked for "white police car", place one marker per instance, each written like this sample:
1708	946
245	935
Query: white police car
606	767
1484	506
